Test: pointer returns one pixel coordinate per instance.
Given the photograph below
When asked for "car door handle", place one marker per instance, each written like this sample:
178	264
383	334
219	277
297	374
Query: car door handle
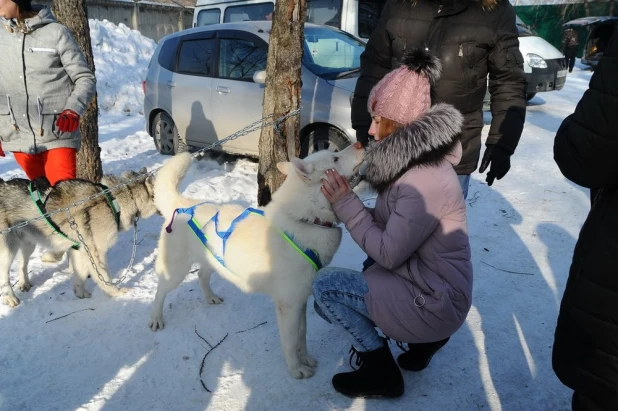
171	84
222	90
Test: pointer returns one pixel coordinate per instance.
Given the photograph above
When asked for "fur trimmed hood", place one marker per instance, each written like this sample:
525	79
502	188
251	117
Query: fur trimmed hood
426	141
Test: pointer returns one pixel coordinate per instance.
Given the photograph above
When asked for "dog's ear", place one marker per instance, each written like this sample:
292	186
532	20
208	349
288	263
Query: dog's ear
284	167
302	168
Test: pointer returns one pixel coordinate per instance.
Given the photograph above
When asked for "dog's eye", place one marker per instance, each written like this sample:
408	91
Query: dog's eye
336	159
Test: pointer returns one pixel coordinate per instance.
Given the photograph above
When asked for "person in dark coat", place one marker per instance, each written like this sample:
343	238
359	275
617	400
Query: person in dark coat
473	39
585	352
570	43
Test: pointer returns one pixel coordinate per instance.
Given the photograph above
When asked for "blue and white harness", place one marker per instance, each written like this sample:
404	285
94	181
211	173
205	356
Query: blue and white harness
309	254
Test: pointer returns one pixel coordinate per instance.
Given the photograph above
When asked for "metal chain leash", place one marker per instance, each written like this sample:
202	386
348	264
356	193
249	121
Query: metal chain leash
73	225
244	131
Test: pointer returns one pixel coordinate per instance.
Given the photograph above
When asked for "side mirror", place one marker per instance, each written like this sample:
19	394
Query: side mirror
259	77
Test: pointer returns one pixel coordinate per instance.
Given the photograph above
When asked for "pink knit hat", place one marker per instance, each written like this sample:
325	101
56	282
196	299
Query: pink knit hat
403	95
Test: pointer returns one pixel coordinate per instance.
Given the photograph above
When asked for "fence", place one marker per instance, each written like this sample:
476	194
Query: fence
153	19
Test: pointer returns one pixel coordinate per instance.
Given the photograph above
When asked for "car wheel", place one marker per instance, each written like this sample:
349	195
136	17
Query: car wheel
323	138
530	96
166	138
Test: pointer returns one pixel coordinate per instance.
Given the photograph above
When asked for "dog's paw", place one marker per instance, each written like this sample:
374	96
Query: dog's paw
10	300
24	286
156	324
308	360
301	371
214	299
81	293
120	292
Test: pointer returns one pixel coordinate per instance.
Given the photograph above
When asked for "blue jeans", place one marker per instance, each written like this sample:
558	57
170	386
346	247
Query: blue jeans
464	180
339	299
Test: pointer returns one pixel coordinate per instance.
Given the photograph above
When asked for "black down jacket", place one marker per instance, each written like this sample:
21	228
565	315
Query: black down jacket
472	38
585	352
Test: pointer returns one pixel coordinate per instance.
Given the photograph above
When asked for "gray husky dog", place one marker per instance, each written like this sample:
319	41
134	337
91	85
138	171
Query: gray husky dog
98	221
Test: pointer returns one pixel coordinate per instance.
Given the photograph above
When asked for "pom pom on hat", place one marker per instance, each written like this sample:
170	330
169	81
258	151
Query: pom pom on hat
423	63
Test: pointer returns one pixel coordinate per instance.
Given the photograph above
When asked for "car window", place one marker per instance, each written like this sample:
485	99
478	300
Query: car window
331	53
249	12
369	12
208	17
324	12
522	29
196	57
239	59
167	55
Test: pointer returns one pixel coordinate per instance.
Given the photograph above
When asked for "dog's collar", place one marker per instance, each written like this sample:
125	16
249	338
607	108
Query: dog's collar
321	223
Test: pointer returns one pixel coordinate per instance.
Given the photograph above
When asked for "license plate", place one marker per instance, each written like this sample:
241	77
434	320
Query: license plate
561	73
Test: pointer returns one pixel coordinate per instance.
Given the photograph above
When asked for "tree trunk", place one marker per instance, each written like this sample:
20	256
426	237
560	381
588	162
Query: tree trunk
73	14
611	7
282	94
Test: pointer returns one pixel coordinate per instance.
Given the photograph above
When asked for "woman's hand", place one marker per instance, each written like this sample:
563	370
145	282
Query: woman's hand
334	186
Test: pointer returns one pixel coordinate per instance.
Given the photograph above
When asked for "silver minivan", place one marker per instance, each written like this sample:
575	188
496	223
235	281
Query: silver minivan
206	83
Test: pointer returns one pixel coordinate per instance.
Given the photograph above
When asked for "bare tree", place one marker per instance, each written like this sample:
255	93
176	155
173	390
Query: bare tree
73	14
282	94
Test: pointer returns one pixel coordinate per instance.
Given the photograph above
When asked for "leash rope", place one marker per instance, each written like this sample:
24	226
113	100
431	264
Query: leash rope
244	131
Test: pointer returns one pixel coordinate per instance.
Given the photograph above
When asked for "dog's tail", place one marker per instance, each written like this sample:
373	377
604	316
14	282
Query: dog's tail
166	191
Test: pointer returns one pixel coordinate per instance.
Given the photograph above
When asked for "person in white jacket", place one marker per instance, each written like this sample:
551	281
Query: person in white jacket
45	87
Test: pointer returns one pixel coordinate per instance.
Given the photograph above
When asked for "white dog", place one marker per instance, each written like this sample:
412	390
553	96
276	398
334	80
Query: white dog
274	253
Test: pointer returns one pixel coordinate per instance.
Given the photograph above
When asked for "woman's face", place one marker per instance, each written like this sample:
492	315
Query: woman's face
374	129
8	9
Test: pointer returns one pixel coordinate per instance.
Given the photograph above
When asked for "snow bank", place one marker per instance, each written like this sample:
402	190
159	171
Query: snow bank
121	58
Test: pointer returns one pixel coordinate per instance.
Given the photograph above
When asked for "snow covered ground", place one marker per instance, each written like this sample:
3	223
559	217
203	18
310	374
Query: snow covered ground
522	229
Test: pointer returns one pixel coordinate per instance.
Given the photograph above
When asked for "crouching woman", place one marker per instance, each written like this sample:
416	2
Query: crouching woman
419	288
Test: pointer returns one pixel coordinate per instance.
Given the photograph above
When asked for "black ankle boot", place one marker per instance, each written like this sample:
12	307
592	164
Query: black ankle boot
377	375
418	356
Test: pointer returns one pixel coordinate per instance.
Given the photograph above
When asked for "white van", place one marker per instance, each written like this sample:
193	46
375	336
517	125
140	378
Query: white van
544	65
357	17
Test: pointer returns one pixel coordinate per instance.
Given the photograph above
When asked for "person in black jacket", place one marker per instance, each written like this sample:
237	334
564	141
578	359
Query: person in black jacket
473	39
585	352
570	43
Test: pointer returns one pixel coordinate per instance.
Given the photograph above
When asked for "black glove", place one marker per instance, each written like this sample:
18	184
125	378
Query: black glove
500	160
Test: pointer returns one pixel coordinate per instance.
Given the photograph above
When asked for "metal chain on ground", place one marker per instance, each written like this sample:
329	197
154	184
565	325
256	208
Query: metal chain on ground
244	131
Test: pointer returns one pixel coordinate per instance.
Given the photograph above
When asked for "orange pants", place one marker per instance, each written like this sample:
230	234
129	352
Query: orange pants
56	164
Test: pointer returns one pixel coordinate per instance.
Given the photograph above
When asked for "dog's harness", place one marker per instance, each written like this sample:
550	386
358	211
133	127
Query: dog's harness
113	203
308	254
36	197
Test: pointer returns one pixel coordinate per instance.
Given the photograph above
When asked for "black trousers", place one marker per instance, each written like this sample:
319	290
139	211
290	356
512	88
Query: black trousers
570	53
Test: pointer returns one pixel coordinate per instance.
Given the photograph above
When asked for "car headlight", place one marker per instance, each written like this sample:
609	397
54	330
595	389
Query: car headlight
536	61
